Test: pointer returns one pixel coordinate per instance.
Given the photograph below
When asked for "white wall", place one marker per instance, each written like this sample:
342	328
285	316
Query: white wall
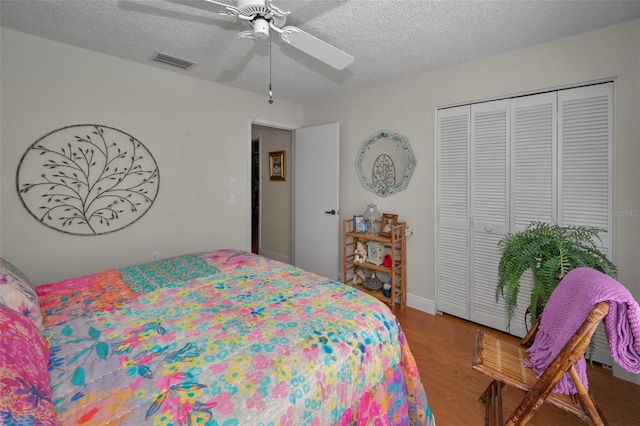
197	131
408	107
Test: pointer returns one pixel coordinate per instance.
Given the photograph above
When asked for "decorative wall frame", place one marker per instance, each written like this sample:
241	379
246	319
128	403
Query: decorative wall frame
385	163
87	179
277	166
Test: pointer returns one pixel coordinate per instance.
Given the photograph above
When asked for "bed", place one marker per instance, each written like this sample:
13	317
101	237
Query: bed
215	338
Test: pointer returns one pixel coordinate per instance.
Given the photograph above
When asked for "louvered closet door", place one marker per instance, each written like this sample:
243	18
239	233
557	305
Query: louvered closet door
490	132
452	247
533	177
586	160
586	169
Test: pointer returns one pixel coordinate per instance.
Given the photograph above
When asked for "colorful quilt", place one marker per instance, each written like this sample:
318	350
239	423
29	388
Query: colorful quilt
225	338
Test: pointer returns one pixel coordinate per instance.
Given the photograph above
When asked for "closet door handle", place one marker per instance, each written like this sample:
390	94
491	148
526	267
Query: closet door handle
332	212
488	228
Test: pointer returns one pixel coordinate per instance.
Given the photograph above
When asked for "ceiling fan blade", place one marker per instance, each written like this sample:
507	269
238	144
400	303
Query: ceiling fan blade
315	47
289	5
237	50
211	6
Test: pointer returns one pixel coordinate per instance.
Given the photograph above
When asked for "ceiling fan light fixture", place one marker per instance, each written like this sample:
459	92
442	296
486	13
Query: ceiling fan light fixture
260	28
264	17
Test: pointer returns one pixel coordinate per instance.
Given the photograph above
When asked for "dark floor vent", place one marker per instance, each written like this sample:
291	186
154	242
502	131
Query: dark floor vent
172	61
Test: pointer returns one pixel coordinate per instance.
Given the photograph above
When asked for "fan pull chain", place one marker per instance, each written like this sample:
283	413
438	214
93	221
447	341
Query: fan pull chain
270	91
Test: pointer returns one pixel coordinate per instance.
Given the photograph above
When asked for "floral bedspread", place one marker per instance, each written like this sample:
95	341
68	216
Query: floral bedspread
226	338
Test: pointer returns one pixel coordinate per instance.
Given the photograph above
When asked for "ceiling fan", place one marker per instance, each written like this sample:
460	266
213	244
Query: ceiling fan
264	16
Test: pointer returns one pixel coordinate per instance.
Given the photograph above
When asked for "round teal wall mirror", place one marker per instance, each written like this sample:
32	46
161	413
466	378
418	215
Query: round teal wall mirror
385	163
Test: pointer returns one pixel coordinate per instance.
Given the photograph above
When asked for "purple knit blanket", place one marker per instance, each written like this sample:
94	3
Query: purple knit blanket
568	307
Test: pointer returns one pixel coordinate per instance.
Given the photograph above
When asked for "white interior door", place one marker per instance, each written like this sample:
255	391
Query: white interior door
585	139
316	242
489	207
534	167
452	254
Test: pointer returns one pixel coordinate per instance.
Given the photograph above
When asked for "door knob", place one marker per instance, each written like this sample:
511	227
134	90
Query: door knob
331	212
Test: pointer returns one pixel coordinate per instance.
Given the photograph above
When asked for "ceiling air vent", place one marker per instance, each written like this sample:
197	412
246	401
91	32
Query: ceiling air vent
172	61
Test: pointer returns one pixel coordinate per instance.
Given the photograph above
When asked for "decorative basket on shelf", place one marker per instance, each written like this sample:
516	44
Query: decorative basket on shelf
373	283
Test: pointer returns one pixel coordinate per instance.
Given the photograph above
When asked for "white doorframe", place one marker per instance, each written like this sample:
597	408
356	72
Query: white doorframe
259	194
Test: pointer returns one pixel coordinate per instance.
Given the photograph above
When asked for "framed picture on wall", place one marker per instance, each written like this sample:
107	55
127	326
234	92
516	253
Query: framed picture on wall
277	166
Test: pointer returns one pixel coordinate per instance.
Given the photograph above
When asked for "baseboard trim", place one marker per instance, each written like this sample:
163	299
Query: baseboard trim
623	374
421	303
275	256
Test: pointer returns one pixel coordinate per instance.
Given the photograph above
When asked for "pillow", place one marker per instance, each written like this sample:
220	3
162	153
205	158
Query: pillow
16	293
5	264
24	375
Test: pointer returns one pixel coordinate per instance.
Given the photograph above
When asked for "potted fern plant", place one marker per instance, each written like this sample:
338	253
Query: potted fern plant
550	251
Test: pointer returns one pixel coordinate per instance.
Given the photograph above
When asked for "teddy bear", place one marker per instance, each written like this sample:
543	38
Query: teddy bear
359	254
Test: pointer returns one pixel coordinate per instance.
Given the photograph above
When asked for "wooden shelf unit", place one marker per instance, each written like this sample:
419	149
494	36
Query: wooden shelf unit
394	245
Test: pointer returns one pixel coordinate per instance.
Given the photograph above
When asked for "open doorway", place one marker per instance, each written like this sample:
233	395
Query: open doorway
255	196
271	199
316	196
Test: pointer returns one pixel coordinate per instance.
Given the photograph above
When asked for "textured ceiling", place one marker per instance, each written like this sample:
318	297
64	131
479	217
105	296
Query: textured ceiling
390	39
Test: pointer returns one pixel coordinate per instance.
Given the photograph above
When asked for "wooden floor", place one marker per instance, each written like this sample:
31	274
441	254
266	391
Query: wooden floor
443	347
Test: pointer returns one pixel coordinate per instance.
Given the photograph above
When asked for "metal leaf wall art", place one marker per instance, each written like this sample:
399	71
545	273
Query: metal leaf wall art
87	179
384	172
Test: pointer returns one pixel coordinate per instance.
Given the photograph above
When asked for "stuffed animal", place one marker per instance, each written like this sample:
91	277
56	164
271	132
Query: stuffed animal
359	254
360	276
